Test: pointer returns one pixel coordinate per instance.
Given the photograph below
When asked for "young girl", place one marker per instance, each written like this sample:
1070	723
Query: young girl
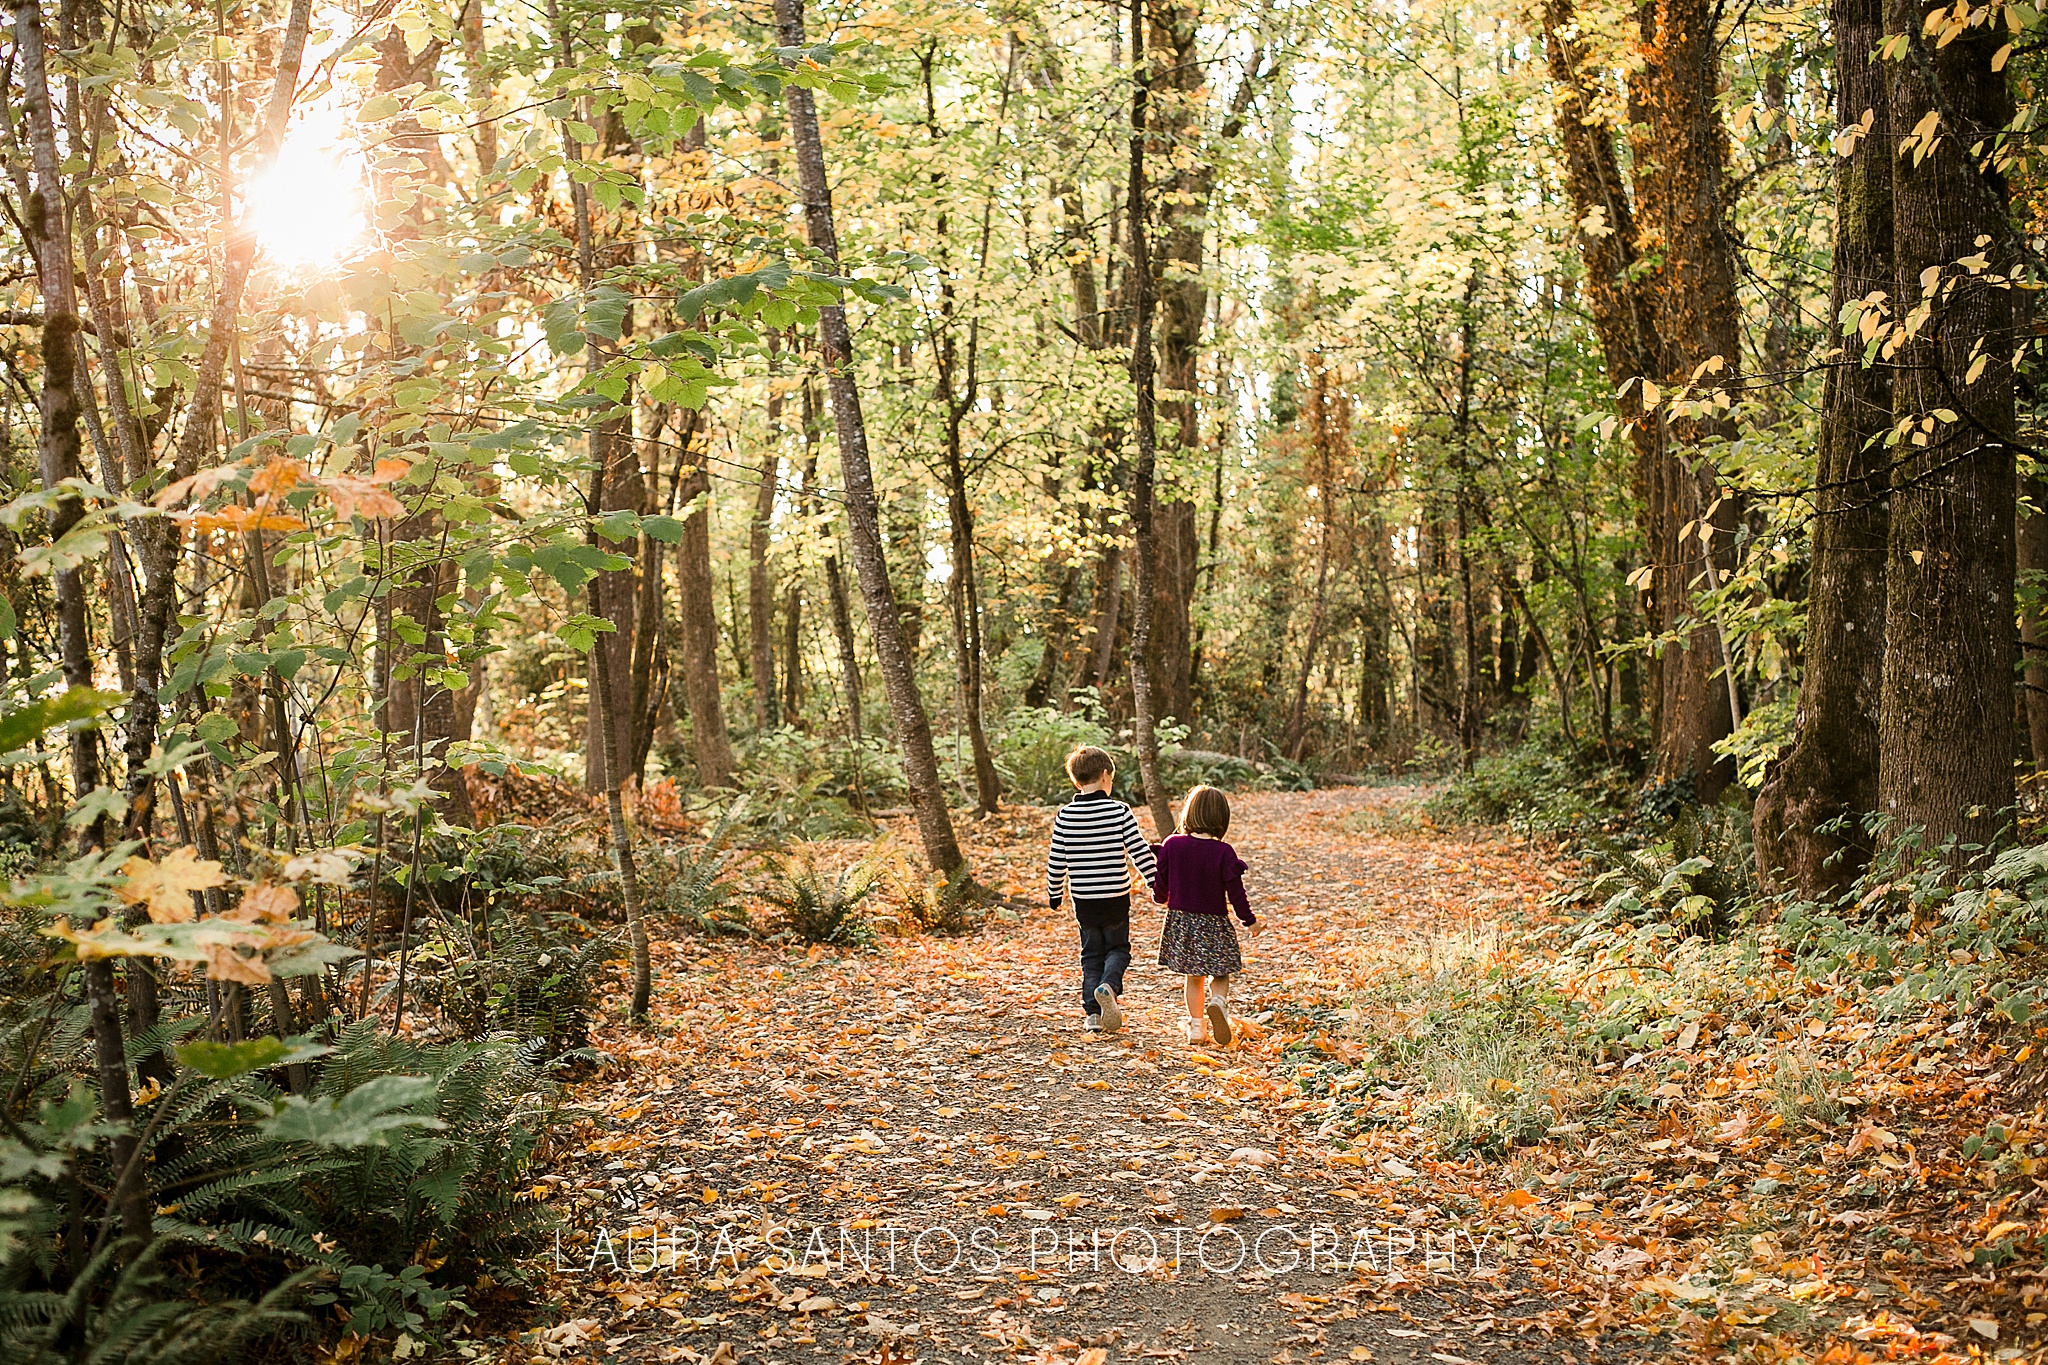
1201	878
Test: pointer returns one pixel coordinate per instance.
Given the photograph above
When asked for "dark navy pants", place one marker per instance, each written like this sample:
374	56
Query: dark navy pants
1105	946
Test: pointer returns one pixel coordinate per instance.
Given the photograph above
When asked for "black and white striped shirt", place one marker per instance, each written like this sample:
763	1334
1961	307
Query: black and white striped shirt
1095	843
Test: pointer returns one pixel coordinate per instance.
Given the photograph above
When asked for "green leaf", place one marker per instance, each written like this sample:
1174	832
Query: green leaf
224	1061
623	524
605	314
109	803
21	728
580	631
667	530
365	1117
562	321
377	108
7	622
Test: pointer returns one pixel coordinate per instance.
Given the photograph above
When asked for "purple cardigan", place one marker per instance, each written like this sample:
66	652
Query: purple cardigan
1197	875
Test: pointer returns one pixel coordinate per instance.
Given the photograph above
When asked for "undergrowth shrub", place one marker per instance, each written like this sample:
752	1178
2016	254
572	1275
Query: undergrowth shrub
378	1195
819	907
1031	745
691	883
805	786
1700	876
536	979
1543	786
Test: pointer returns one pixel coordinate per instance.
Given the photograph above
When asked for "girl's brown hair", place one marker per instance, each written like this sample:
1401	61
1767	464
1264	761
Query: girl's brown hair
1206	811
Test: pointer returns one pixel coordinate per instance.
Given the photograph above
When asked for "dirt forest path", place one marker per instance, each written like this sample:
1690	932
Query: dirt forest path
796	1119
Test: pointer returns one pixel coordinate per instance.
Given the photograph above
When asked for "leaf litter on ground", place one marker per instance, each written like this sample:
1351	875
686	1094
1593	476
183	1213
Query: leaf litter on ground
1769	1172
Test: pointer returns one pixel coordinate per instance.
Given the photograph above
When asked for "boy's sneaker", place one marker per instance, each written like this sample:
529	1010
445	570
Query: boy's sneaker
1219	1022
1094	1024
1112	1013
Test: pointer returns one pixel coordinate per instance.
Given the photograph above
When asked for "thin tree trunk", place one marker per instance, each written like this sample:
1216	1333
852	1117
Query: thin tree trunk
57	453
760	587
1109	596
1831	771
57	449
698	622
1324	428
604	434
966	604
1946	720
2033	562
913	725
1058	623
1145	428
835	586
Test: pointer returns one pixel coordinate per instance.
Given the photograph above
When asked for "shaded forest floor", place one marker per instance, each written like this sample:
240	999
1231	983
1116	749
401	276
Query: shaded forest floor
1771	1177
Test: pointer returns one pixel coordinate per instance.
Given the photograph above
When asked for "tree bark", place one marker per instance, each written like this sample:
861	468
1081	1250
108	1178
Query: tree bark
966	604
1946	719
57	448
1144	546
2033	562
913	725
1660	290
1681	159
606	436
761	587
698	620
1831	771
835	586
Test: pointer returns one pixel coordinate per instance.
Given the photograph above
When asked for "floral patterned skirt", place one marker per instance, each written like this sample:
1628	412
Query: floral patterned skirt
1199	945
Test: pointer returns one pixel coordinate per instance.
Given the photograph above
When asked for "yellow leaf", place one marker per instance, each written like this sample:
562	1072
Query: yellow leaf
265	902
166	888
352	495
224	963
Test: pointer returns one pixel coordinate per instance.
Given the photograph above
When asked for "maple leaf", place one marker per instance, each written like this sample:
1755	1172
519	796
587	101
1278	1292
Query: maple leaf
245	519
165	888
225	963
354	495
197	486
264	901
326	867
279	476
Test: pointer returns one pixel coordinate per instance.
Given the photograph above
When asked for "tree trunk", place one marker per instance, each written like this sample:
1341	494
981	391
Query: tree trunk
1109	596
760	587
835	586
698	620
1831	771
1144	548
1187	188
966	604
1681	158
913	725
2033	563
606	437
1659	315
57	450
1946	719
1059	623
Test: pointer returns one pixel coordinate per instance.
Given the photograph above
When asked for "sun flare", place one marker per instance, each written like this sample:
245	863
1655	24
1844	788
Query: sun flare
307	208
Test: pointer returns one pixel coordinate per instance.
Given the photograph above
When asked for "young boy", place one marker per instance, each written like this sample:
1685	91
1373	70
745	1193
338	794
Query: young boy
1095	845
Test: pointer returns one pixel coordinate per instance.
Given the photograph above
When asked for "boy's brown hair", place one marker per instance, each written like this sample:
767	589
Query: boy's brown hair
1206	811
1088	764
